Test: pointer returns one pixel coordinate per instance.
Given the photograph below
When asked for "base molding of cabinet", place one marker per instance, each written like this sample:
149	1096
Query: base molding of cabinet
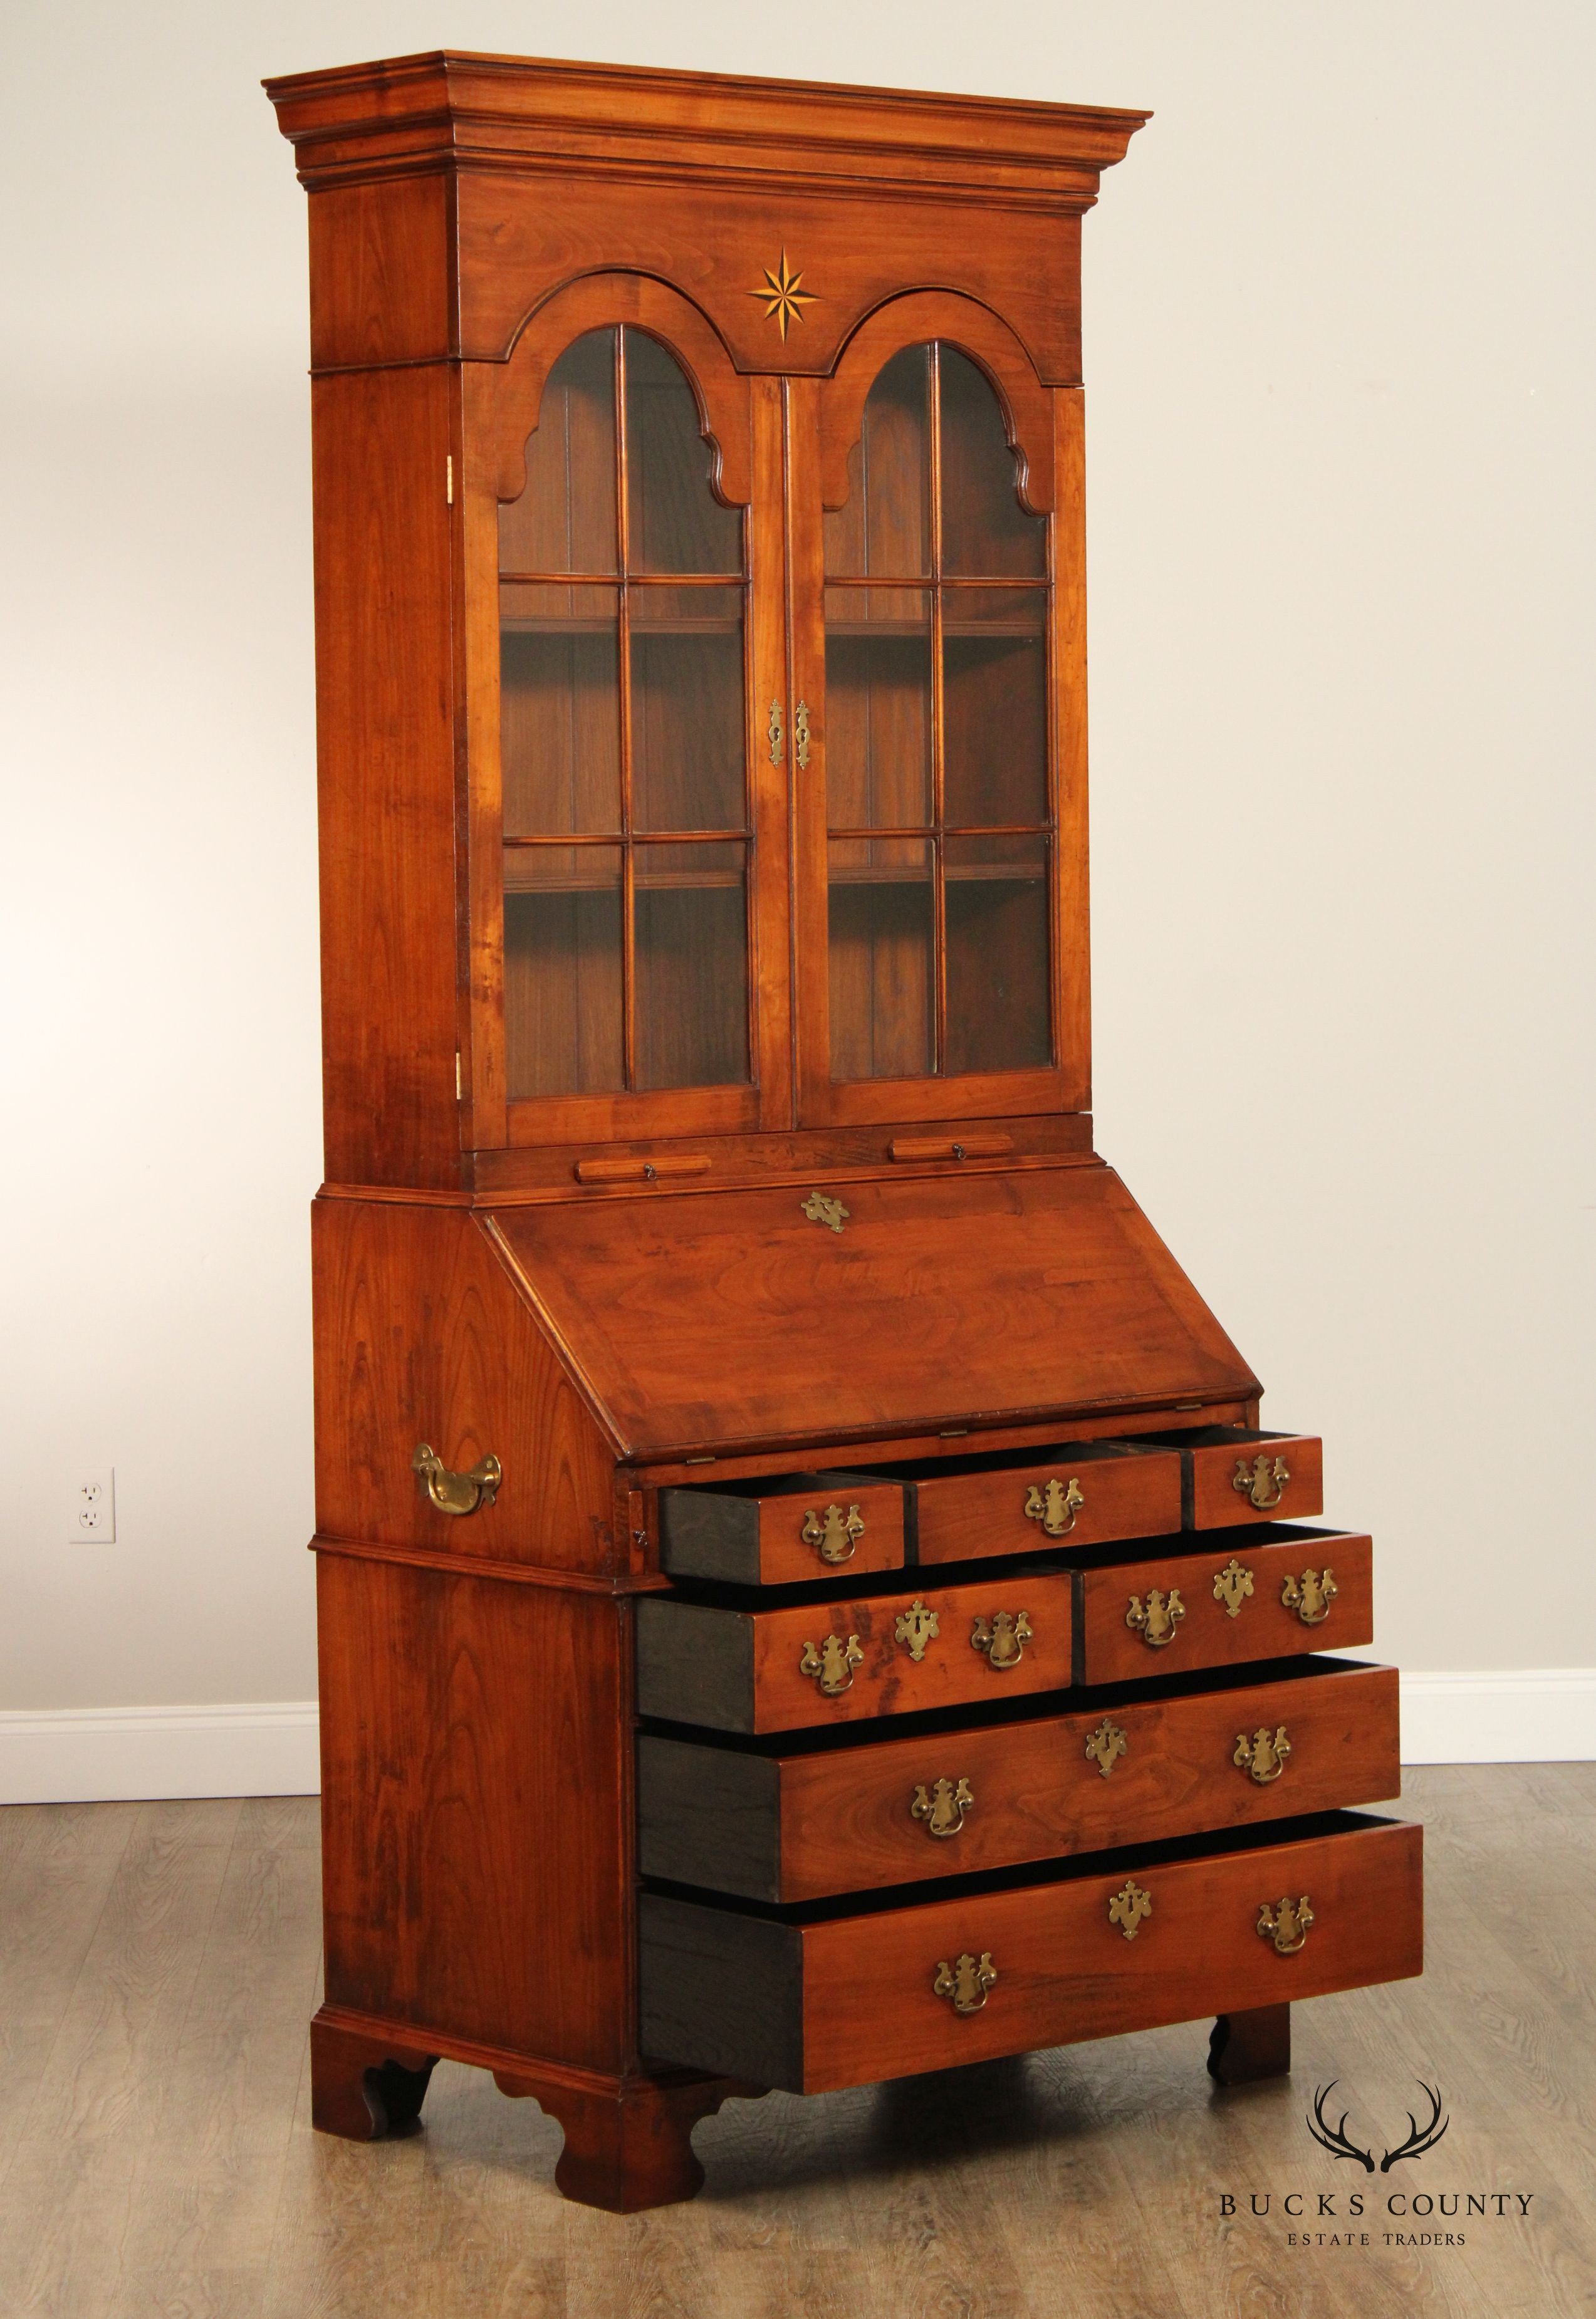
1245	2047
628	2140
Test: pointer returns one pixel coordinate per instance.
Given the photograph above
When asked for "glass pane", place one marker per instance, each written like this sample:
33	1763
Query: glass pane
674	522
986	532
996	906
994	699
692	951
883	1005
687	708
564	520
562	1032
878	707
559	709
886	527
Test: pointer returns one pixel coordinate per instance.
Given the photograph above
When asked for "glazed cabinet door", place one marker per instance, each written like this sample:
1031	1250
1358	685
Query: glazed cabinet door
936	583
627	842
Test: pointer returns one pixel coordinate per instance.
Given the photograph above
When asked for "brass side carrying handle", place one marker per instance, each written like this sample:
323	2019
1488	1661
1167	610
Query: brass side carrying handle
457	1493
965	1981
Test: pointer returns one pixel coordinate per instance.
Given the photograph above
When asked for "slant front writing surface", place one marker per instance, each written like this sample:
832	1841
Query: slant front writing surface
622	721
707	1321
937	771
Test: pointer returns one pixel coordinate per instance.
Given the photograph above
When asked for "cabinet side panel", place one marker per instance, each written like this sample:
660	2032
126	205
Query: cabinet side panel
421	1336
384	707
381	267
474	1803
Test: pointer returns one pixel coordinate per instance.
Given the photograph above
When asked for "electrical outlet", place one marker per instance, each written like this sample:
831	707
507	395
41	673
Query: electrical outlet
93	1508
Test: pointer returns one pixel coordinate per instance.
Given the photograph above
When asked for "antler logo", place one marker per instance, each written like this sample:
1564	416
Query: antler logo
1337	2141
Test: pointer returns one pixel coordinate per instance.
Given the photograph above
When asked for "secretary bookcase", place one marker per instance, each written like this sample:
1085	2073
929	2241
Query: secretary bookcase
804	1592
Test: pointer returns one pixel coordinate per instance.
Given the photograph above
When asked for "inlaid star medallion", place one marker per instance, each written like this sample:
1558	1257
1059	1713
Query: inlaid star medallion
784	300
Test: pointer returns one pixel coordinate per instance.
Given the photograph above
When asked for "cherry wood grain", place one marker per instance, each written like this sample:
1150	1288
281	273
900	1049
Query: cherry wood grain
422	1335
741	1669
1262	1627
965	1512
1218	1504
475	1809
1030	1293
777	1534
858	1989
807	1823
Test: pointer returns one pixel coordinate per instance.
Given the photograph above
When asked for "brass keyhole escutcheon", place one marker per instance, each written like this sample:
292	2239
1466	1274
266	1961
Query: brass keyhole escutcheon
1263	1756
1105	1745
1311	1595
965	1981
1055	1505
833	1665
455	1494
1287	1924
1002	1637
820	1210
774	733
834	1534
1129	1906
1156	1619
914	1627
944	1808
801	735
1263	1482
1231	1586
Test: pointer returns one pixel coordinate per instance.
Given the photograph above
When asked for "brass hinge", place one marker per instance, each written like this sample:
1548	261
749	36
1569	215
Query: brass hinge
449	480
458	1092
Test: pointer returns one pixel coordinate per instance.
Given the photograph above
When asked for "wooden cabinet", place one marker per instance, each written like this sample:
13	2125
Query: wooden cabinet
763	1453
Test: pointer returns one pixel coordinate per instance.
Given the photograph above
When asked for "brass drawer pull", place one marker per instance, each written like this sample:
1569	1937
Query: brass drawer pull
1002	1637
833	1535
1156	1621
1263	1758
965	1981
1055	1505
1285	1923
1128	1907
833	1665
914	1627
1311	1596
457	1493
1231	1586
1105	1745
1263	1481
943	1809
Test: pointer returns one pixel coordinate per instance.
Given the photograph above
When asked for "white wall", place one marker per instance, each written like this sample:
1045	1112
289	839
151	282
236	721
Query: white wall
1339	351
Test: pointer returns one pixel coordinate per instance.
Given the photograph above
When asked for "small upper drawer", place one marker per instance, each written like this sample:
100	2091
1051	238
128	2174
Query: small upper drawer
801	1819
1232	1474
1284	1590
781	1531
866	1654
1128	1940
964	1509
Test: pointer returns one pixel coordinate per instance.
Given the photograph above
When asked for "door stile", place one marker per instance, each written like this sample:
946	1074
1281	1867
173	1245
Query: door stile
805	566
1072	948
483	1118
770	950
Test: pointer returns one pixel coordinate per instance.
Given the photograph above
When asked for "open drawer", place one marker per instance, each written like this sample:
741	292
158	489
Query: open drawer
1231	1474
843	1994
804	1817
832	1658
1278	1591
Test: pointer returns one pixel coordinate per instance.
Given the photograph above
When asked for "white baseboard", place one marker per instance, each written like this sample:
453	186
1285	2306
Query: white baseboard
107	1754
115	1755
1501	1715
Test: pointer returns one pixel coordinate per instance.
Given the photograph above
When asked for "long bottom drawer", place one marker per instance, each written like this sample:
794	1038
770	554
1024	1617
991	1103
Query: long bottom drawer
843	1994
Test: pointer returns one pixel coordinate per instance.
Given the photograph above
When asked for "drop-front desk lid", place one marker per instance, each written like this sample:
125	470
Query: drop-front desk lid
740	1319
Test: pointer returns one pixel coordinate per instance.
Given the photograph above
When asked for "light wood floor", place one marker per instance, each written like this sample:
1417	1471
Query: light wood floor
158	1963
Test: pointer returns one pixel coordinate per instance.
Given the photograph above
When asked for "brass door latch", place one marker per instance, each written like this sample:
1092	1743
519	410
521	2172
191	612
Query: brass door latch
455	1494
965	1982
1285	1923
1156	1619
944	1808
834	1534
1311	1596
1263	1756
1002	1637
1055	1505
